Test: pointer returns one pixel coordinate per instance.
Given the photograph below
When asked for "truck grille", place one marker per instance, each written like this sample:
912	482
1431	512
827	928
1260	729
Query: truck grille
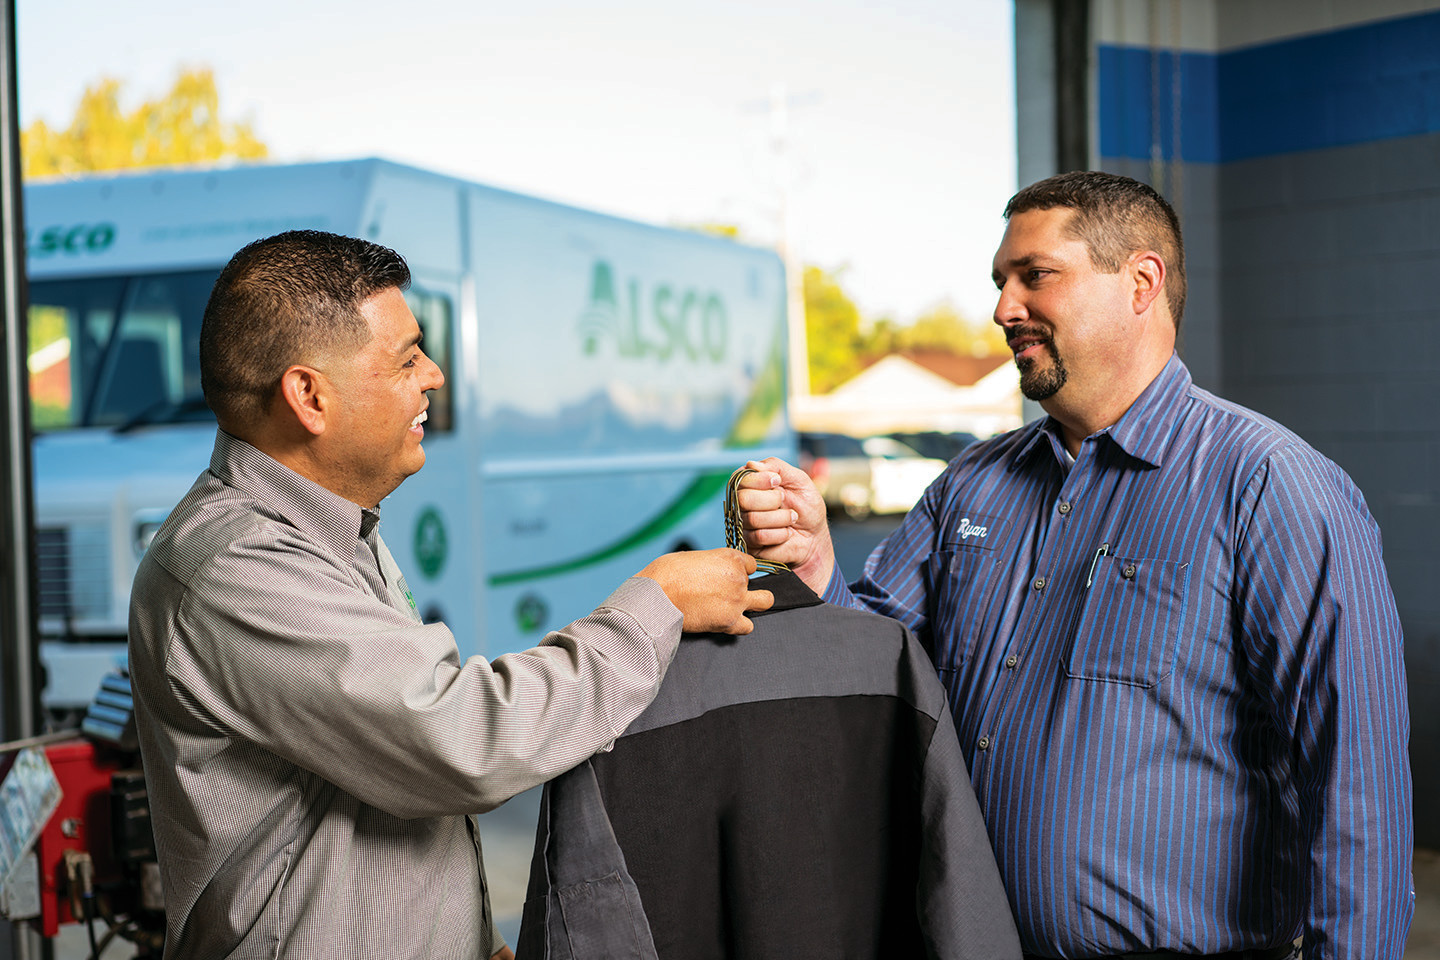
74	572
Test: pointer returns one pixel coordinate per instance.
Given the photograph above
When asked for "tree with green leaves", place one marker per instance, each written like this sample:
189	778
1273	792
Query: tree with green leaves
943	329
832	328
183	127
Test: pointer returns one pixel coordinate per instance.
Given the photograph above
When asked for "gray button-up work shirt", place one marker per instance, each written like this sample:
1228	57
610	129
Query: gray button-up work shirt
312	750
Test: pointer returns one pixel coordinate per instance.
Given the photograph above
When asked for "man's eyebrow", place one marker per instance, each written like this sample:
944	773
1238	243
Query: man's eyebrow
413	342
1014	263
1023	261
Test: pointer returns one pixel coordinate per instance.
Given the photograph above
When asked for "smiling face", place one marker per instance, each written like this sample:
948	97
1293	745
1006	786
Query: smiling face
1080	337
375	426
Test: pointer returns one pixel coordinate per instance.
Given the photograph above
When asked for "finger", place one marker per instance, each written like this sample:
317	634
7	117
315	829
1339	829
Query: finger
747	562
756	600
790	476
740	627
769	519
767	499
768	537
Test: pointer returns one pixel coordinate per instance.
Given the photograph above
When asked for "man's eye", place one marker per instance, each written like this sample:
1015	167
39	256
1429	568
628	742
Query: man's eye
1036	274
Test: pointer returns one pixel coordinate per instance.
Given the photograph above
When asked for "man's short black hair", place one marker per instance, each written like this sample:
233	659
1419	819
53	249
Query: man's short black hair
1114	217
287	299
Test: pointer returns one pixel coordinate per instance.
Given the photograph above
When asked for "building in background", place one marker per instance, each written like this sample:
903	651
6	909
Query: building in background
918	392
1300	143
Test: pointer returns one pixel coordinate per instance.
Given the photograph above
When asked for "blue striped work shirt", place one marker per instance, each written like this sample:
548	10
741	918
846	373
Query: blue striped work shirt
1176	671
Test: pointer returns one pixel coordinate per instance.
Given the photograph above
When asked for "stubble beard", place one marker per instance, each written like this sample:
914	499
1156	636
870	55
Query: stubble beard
1041	381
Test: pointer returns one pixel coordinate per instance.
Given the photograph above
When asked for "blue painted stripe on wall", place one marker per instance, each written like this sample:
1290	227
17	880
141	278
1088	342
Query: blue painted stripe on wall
1132	105
1372	82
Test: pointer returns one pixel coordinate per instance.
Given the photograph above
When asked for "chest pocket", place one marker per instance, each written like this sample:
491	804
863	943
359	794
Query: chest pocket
1131	621
956	576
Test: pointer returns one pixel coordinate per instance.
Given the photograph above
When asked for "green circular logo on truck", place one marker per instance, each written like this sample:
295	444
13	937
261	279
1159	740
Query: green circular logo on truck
431	547
531	612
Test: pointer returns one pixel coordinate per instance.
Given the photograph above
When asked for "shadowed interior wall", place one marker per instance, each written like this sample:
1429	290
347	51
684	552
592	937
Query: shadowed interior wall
1301	144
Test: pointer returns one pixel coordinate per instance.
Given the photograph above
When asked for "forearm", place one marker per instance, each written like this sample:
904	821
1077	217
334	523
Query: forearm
388	712
572	695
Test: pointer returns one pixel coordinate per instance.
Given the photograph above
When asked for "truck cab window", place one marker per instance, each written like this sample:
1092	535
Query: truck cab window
117	351
434	313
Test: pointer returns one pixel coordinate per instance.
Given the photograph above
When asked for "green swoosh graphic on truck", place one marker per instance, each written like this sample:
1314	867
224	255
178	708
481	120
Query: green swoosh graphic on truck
754	419
695	495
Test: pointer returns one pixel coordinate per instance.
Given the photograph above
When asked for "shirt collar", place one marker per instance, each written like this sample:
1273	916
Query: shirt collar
1028	445
1043	434
311	508
788	590
1143	431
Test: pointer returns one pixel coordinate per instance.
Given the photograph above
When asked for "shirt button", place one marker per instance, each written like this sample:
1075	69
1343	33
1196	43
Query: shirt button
1064	506
1039	583
983	743
1129	572
1011	661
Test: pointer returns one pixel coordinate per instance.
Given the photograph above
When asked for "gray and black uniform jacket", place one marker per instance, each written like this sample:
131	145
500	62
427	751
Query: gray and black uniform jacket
798	792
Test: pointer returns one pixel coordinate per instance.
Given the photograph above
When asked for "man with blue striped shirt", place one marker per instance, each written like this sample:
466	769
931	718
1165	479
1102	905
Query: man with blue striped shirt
1164	623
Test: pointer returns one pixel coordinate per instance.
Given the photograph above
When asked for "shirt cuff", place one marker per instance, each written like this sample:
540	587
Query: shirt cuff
644	600
837	592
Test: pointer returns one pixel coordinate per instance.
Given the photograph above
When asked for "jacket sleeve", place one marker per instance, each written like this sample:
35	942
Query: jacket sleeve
964	912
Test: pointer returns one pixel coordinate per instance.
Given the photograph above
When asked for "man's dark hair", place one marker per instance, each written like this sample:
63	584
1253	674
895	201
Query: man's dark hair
1114	217
287	299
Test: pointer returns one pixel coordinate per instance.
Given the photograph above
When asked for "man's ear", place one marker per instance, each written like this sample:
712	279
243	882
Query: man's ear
304	390
1148	272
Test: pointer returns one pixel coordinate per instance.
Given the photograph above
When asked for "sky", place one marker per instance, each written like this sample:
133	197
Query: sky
898	135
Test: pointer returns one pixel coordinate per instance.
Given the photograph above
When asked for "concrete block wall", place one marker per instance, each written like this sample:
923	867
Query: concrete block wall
1332	326
1300	141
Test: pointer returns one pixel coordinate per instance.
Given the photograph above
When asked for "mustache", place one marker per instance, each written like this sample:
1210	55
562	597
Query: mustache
1032	332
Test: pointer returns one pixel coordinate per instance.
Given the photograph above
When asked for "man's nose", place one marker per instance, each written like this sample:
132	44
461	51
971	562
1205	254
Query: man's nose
436	380
1009	308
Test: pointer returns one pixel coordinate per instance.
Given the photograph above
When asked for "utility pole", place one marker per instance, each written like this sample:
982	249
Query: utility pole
780	103
18	708
778	106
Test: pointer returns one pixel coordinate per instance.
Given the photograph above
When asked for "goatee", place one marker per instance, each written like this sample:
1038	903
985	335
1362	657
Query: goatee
1041	381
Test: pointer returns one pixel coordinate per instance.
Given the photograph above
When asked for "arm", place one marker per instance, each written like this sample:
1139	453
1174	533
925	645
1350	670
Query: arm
335	681
784	519
1320	626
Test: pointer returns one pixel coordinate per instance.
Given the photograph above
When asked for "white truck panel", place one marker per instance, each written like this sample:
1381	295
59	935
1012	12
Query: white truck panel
604	377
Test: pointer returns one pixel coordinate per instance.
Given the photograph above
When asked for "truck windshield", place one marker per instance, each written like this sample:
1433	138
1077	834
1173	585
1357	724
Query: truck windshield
117	351
124	352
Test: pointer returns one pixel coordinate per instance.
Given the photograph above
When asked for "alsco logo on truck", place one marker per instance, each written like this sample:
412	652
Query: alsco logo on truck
69	239
661	322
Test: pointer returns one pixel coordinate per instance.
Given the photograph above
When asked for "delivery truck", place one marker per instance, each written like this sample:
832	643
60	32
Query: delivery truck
602	379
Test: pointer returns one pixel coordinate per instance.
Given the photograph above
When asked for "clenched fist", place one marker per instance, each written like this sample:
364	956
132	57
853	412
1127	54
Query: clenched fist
784	520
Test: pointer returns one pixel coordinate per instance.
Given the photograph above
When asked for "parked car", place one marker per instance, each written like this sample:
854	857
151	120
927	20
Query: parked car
935	444
860	477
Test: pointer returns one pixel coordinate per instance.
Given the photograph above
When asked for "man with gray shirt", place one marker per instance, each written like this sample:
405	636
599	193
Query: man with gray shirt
313	751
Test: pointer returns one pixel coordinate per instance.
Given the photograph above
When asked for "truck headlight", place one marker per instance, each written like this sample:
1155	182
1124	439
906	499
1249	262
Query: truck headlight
145	531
